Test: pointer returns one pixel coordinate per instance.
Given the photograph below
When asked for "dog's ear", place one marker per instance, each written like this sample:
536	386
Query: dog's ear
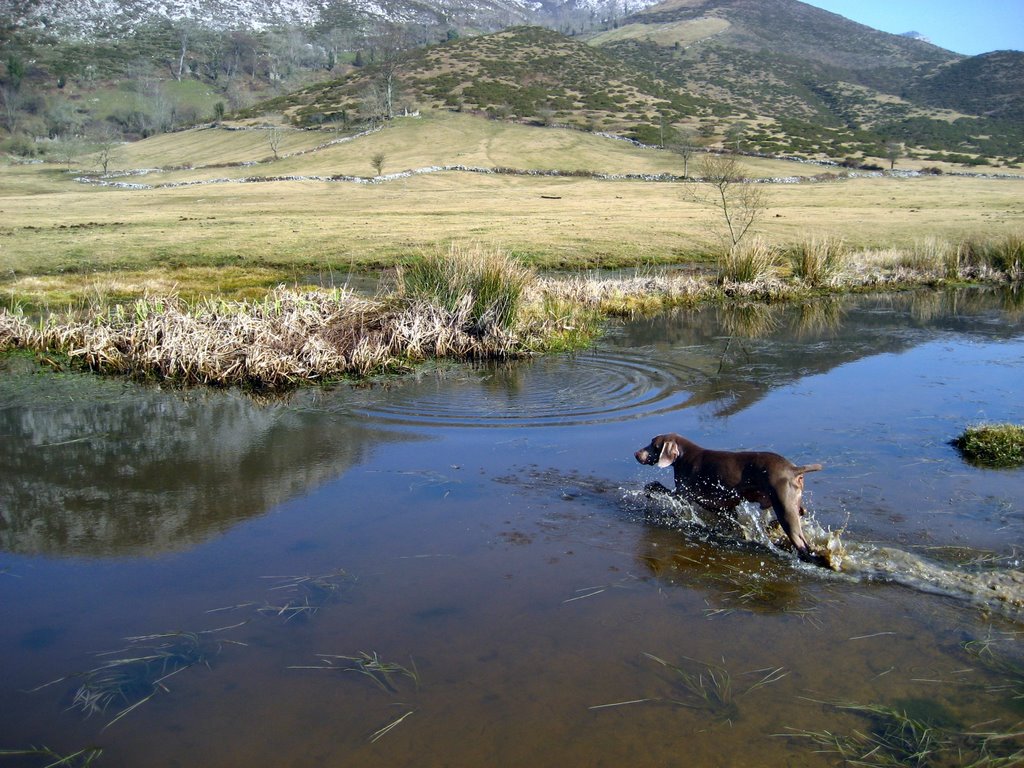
669	453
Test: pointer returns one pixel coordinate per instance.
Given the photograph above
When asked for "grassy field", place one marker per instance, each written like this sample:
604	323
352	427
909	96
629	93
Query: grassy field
283	230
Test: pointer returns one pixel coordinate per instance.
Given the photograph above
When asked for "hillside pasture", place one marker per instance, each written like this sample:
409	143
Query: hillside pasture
287	229
685	32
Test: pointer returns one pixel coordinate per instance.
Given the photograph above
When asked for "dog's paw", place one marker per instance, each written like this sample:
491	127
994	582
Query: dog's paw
656	489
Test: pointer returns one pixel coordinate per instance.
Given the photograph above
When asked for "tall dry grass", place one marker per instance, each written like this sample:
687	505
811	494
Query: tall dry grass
749	261
819	261
1002	254
465	303
485	284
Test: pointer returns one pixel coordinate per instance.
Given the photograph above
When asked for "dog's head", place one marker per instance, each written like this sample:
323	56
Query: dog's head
662	451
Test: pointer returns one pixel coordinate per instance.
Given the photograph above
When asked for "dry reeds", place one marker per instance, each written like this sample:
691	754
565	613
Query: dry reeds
749	261
819	261
288	338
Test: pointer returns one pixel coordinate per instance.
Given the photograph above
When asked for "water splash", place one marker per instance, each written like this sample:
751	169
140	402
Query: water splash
998	590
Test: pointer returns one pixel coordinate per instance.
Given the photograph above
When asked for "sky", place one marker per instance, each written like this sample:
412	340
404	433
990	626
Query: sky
964	26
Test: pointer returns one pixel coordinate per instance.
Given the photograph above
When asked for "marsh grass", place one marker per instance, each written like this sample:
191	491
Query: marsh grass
290	337
1004	254
998	446
464	303
710	687
915	733
381	673
749	261
485	286
140	670
50	758
819	261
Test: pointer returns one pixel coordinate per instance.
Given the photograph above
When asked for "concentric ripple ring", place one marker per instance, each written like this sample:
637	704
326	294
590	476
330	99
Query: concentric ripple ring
594	387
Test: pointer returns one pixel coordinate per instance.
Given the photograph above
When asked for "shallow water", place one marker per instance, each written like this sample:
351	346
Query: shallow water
485	529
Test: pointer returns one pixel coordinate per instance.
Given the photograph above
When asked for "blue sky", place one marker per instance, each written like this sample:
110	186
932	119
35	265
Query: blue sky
978	26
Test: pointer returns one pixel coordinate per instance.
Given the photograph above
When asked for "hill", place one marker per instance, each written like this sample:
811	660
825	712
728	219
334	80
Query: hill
800	79
777	77
991	84
641	80
526	74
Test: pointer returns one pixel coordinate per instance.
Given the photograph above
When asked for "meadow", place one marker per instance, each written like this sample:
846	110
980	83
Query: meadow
190	224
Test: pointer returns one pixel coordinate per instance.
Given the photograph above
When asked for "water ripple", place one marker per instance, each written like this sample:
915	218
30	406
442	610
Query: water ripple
592	388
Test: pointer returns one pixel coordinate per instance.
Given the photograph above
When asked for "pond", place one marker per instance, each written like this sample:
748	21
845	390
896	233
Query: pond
461	568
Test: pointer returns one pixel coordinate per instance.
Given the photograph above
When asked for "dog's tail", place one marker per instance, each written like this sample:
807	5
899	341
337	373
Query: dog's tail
807	468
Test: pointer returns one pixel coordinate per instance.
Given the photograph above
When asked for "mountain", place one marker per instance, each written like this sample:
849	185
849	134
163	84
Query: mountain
89	18
915	36
798	78
769	76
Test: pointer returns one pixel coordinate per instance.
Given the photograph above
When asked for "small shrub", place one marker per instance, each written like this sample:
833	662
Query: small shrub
993	445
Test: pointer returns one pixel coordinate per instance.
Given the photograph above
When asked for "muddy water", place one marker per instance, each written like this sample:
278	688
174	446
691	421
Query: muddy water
481	533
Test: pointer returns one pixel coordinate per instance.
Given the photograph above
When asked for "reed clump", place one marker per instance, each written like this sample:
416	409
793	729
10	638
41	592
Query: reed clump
819	261
483	287
978	256
749	261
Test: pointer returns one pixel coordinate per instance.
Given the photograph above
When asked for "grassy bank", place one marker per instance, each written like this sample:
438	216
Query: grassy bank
173	274
291	336
463	303
759	271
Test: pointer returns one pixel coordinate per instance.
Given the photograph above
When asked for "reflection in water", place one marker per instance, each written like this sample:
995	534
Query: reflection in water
748	350
97	467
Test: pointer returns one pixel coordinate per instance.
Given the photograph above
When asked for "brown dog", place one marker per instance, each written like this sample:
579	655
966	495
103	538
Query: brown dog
720	480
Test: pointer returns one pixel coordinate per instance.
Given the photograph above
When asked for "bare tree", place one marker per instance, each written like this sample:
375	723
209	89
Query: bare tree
685	145
389	48
10	106
106	138
723	187
893	151
274	137
377	160
184	30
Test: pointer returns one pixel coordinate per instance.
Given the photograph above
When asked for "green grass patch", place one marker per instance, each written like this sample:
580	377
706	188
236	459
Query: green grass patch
993	445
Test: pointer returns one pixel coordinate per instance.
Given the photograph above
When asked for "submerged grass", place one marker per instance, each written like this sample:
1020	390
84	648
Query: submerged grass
50	758
915	734
304	596
382	673
710	687
139	671
993	445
